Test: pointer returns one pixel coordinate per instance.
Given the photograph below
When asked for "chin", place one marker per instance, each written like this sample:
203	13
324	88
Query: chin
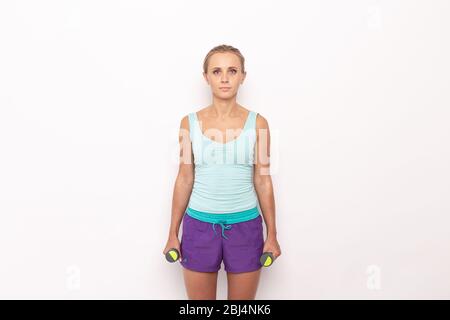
225	96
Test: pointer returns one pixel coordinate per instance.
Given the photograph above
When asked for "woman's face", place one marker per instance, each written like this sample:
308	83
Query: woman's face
224	74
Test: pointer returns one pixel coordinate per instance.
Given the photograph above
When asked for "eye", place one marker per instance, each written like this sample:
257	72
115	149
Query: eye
215	71
234	70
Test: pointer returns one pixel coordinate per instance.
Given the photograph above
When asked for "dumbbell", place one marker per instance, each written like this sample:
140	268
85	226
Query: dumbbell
172	255
266	259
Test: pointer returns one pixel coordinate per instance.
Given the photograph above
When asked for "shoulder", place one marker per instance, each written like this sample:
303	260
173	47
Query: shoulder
261	122
184	123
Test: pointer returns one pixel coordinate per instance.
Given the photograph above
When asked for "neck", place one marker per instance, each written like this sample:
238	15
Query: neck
224	108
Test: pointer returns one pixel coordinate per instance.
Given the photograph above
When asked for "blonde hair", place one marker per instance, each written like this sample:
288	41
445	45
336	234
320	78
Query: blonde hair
223	48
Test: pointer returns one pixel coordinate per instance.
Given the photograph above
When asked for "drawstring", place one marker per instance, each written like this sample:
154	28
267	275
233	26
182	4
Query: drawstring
222	224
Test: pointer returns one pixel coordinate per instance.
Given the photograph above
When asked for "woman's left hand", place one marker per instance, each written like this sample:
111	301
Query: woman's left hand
271	245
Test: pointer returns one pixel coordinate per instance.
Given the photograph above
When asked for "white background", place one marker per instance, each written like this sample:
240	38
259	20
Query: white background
356	94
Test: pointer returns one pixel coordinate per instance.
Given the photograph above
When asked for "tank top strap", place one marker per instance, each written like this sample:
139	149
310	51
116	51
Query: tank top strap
192	125
251	121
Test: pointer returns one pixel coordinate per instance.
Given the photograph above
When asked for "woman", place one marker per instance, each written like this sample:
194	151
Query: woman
223	176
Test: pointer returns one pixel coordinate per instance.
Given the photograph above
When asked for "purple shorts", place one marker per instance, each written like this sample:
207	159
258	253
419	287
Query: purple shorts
202	249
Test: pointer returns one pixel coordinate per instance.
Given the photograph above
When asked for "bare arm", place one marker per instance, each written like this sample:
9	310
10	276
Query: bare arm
262	179
184	181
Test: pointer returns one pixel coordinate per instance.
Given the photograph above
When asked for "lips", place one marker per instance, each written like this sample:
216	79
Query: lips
224	88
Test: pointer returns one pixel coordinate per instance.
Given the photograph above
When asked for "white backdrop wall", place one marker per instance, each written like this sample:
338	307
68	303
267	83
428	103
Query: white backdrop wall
357	98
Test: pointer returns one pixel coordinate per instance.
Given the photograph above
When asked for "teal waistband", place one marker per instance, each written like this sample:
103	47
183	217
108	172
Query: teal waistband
226	218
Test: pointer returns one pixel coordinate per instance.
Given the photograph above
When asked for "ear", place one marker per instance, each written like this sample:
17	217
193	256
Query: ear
243	78
206	77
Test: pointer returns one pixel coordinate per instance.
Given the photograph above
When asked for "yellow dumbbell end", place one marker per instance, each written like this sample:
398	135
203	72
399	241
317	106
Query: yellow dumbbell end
172	255
266	259
268	262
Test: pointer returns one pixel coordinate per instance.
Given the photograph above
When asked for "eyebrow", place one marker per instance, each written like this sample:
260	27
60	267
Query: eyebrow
228	68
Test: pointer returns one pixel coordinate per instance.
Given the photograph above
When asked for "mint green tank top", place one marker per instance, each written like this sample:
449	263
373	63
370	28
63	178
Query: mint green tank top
223	190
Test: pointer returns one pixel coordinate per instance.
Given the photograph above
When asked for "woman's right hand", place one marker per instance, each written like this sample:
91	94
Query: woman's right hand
173	242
